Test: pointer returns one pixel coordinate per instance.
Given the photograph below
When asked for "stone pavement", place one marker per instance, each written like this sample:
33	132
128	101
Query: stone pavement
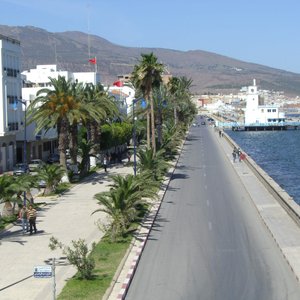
68	218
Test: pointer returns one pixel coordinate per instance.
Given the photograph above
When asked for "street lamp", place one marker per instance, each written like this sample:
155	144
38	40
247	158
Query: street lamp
25	141
143	105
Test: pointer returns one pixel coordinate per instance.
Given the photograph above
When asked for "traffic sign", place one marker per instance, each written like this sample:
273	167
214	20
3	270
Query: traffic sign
42	272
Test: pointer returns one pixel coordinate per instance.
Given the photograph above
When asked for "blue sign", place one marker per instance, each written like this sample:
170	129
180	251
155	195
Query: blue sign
143	103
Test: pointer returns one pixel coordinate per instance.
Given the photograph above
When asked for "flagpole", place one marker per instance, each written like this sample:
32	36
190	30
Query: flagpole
96	65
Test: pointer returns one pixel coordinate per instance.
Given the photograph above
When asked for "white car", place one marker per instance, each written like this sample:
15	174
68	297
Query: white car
35	164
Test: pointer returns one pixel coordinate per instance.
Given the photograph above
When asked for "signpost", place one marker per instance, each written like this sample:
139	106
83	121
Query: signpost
42	272
46	272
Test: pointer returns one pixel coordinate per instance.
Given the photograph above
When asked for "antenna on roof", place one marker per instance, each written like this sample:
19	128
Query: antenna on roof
88	29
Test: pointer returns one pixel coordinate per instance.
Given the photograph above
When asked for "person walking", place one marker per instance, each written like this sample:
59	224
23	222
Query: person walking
105	163
234	155
24	219
31	214
239	154
128	156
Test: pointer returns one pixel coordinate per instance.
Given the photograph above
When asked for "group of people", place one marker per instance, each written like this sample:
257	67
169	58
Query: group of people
237	153
28	218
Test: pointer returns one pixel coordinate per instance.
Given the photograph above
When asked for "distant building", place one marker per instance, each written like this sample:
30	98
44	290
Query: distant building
11	115
124	94
258	113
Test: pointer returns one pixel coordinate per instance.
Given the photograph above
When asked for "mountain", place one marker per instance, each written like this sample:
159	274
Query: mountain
210	72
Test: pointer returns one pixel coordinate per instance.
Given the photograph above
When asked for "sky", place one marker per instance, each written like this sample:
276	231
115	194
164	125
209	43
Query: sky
259	31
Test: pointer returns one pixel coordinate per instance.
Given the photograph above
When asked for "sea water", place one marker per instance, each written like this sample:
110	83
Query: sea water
277	152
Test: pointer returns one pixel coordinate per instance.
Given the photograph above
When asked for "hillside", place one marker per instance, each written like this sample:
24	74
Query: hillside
210	72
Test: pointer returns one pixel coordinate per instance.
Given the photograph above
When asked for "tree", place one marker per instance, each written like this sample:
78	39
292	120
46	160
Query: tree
160	104
145	76
156	165
123	201
78	256
12	189
52	175
56	107
7	194
97	97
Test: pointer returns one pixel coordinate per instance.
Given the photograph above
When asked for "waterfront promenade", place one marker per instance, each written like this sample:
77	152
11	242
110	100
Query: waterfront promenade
68	218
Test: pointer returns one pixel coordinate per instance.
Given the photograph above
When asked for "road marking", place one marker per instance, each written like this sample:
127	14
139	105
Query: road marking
207	202
209	225
205	187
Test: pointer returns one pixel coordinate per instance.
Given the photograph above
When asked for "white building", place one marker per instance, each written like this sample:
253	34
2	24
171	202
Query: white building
124	95
258	113
11	115
40	145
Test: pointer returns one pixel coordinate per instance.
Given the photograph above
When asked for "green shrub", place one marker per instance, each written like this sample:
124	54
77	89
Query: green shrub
77	256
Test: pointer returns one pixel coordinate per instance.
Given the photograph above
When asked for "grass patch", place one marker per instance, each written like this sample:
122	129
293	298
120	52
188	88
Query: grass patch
63	187
107	257
4	221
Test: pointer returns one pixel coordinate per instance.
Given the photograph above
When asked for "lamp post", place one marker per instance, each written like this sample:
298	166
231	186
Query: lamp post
134	137
143	104
25	141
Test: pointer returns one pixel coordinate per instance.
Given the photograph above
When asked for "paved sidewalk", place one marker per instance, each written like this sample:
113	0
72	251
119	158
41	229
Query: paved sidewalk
68	218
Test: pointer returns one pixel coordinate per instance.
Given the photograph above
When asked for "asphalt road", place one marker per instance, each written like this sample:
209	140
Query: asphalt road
208	241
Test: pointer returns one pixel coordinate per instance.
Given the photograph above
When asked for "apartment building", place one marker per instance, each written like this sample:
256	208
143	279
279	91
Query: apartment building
11	112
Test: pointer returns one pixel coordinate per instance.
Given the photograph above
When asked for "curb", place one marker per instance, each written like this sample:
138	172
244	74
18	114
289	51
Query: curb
148	223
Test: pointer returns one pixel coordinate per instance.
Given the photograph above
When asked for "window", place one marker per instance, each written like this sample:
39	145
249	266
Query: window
262	110
273	110
13	126
269	110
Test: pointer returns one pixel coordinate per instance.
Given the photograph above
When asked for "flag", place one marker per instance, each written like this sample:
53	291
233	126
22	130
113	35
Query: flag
93	60
118	83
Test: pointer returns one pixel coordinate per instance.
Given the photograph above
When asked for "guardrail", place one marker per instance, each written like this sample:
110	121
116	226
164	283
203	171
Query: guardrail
284	199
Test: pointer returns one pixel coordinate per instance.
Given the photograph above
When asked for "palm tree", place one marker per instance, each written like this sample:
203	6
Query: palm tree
98	98
11	189
123	201
52	175
153	164
145	76
180	96
85	153
160	103
7	194
171	139
55	107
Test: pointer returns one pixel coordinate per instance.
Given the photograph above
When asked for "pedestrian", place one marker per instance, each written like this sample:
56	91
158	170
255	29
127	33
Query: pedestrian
24	219
128	156
234	155
242	156
220	133
105	163
239	154
31	215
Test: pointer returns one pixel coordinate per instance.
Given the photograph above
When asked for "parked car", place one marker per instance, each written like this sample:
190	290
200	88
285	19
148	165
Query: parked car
21	169
53	158
35	164
41	183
